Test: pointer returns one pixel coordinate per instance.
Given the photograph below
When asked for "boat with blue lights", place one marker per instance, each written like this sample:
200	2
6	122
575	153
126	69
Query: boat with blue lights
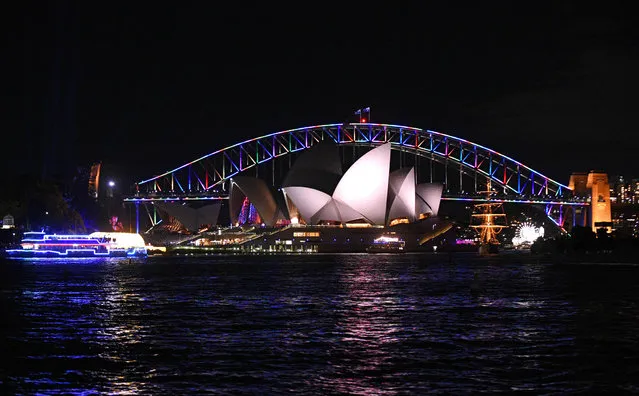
97	244
387	244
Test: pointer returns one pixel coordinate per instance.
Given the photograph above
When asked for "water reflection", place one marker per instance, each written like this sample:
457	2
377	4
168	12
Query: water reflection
311	325
369	327
120	310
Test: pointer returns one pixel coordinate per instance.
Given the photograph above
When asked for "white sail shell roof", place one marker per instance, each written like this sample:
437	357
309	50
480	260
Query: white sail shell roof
367	191
364	187
315	206
258	194
328	212
318	168
402	194
308	201
428	197
347	213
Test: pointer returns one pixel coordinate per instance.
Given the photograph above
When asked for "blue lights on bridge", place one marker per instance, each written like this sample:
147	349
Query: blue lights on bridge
208	173
206	178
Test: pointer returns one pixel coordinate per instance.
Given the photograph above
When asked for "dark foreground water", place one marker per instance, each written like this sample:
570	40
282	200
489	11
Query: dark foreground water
344	324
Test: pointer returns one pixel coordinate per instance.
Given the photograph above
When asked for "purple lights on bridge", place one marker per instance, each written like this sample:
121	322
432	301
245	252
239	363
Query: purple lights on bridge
472	165
212	170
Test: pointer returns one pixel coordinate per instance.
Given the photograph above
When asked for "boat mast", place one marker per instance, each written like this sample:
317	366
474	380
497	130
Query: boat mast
488	218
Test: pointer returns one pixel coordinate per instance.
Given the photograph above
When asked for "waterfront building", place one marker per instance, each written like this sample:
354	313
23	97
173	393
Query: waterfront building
8	221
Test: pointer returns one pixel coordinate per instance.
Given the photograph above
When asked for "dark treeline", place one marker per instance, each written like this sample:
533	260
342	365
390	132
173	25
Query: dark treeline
582	240
50	205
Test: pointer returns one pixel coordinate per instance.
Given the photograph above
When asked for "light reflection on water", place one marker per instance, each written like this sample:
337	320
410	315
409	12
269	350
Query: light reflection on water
345	324
367	326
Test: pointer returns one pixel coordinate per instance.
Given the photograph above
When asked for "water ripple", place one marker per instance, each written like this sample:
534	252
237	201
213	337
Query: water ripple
344	324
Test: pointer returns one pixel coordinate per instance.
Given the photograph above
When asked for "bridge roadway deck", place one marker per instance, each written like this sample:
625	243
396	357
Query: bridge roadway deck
502	198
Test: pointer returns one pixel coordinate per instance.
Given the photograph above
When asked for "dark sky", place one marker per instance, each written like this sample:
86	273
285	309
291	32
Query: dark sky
147	86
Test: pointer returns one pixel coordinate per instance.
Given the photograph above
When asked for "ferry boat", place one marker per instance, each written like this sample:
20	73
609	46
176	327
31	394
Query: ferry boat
387	244
97	244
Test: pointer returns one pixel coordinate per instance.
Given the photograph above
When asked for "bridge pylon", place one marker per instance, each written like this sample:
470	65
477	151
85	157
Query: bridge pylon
594	186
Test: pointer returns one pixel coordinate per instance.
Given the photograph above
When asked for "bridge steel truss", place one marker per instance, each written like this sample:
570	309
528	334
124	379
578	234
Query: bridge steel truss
206	177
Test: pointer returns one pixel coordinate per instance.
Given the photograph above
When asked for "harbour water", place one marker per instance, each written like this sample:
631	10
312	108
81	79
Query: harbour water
320	324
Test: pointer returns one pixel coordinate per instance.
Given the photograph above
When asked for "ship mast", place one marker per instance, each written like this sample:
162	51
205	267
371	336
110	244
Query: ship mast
488	218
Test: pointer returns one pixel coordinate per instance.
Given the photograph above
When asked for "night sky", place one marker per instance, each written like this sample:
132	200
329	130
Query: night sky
148	86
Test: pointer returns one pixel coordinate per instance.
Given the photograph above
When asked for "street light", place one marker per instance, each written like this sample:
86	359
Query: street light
111	184
109	203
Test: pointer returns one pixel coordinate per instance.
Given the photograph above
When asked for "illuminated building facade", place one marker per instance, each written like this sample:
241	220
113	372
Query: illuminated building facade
625	209
622	191
625	221
625	191
94	180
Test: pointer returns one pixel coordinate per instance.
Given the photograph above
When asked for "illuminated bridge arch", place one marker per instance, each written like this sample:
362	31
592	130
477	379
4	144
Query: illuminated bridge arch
206	176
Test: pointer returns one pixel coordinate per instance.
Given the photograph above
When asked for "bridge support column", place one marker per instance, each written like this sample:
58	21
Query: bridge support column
137	217
431	168
447	188
555	213
475	181
600	209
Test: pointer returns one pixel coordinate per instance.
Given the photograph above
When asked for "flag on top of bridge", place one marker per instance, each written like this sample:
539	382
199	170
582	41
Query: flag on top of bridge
361	112
363	117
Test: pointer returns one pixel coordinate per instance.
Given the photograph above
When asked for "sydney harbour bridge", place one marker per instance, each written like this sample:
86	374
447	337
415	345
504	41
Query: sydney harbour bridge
465	168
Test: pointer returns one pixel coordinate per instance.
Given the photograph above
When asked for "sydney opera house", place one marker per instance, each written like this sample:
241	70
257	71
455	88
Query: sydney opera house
320	207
